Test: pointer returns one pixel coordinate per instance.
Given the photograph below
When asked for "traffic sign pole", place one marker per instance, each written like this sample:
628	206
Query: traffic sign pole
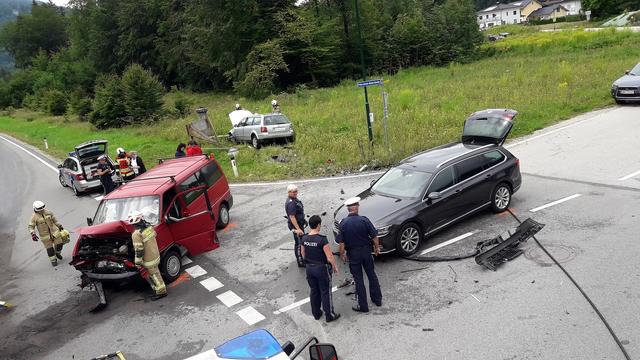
367	110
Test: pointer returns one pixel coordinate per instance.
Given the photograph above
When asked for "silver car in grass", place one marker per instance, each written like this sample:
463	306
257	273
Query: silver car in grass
78	170
627	88
259	129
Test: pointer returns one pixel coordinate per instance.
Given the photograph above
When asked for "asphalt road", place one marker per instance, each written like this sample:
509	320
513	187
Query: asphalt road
589	167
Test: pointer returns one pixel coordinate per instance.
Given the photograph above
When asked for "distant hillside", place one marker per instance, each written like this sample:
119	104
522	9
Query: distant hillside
9	9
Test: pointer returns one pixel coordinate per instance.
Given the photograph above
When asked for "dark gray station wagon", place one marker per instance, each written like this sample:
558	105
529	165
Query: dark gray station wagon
432	190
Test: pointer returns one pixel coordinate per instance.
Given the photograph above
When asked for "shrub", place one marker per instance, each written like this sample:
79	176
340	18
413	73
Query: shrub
108	104
55	102
182	104
79	105
142	93
263	63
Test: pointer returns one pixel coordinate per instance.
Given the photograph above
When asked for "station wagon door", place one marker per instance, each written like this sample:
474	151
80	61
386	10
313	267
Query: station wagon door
194	231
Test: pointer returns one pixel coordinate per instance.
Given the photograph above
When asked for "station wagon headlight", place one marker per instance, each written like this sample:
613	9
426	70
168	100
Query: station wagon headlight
383	230
614	88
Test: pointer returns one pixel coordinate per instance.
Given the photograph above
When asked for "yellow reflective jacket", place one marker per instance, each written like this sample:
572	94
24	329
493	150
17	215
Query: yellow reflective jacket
46	223
146	247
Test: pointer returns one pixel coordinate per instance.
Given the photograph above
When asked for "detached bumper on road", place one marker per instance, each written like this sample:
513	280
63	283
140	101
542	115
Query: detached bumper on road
107	277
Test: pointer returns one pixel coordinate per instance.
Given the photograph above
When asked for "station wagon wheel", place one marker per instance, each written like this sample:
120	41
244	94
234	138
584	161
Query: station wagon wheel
170	266
223	216
408	239
61	179
501	198
255	142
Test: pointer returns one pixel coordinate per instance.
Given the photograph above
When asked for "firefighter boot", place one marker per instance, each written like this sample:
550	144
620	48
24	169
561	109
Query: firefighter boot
159	288
58	250
52	256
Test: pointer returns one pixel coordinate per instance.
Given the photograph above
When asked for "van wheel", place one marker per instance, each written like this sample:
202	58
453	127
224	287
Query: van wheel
500	198
255	142
409	239
223	216
171	266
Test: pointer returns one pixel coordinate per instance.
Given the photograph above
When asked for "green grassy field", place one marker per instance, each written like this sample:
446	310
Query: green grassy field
547	77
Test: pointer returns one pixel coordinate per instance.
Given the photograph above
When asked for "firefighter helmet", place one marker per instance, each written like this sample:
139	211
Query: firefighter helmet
38	206
135	216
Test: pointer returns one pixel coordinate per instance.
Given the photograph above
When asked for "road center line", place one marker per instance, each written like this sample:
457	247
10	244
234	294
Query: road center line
448	242
294	181
555	202
30	154
298	303
627	177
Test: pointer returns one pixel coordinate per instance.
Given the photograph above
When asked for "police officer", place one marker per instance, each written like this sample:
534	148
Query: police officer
295	219
103	170
320	264
355	236
49	229
146	252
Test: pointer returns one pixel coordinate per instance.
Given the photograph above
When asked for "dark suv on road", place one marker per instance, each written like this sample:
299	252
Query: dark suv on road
627	88
438	187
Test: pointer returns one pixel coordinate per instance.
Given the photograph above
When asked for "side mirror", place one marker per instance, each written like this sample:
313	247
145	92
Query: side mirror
288	348
627	72
167	219
89	221
434	196
373	182
322	352
59	166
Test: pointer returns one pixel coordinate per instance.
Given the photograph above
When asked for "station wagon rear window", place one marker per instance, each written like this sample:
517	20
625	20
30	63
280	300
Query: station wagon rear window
275	120
119	209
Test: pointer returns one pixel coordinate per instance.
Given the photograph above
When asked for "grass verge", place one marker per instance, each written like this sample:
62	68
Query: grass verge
547	77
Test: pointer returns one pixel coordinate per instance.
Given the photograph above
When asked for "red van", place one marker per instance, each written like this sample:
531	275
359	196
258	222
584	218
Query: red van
184	198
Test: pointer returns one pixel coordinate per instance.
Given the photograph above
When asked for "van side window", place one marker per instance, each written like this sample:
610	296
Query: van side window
211	173
470	167
442	181
191	182
492	158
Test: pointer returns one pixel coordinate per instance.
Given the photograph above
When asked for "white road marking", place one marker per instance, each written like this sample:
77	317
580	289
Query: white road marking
186	260
250	315
555	202
298	303
448	242
99	198
475	297
308	180
229	298
627	177
196	271
30	154
211	284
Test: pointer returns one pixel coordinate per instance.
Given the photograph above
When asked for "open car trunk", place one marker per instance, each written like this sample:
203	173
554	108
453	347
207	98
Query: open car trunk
88	153
491	126
105	252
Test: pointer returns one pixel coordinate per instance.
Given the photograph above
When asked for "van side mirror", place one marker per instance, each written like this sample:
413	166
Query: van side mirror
89	221
167	219
322	352
59	166
627	72
288	347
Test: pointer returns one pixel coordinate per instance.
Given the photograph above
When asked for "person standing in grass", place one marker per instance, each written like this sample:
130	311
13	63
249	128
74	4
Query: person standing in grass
136	163
180	150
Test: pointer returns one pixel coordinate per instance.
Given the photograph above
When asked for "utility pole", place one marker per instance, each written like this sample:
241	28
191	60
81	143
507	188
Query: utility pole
364	72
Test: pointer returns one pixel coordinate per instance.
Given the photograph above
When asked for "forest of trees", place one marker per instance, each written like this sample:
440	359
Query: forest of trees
253	47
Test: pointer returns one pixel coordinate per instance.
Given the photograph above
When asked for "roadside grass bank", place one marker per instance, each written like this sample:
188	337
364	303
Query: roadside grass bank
547	77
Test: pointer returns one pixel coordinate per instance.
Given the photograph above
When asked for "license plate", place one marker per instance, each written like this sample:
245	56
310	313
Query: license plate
627	92
280	128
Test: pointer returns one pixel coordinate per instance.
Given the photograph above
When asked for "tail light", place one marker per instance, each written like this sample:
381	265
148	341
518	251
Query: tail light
517	162
263	129
78	177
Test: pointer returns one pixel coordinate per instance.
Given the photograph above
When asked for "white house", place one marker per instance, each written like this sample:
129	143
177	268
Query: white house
511	13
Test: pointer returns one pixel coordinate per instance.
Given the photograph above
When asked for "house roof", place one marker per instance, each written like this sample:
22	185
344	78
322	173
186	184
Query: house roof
547	10
517	4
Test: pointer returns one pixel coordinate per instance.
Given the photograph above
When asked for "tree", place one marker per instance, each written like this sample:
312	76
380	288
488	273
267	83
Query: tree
42	30
606	8
142	93
263	64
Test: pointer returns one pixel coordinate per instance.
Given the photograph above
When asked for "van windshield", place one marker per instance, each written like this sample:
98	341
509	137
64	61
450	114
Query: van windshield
119	209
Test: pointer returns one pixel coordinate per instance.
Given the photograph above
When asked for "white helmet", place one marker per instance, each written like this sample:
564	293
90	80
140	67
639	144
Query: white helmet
149	215
135	217
274	102
38	205
237	106
120	151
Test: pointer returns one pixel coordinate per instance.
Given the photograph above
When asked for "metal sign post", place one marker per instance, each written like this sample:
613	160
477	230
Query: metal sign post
365	84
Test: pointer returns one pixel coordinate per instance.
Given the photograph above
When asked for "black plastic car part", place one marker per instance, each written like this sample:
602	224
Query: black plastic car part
506	250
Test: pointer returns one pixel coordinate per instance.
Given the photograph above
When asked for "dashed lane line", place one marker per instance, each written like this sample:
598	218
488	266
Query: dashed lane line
555	202
196	271
448	242
229	298
627	177
298	303
186	260
250	315
211	284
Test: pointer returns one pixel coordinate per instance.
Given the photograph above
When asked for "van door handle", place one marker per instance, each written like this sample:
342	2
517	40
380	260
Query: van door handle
488	176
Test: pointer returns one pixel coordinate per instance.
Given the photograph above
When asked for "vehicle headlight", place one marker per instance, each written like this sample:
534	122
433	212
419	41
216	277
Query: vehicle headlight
383	230
614	88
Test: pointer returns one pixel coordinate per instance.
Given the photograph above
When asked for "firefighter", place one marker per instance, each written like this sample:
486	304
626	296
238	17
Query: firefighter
147	254
49	229
124	164
275	106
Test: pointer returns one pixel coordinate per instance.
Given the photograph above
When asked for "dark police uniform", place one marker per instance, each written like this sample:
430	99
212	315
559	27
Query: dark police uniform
318	275
294	207
356	232
105	179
